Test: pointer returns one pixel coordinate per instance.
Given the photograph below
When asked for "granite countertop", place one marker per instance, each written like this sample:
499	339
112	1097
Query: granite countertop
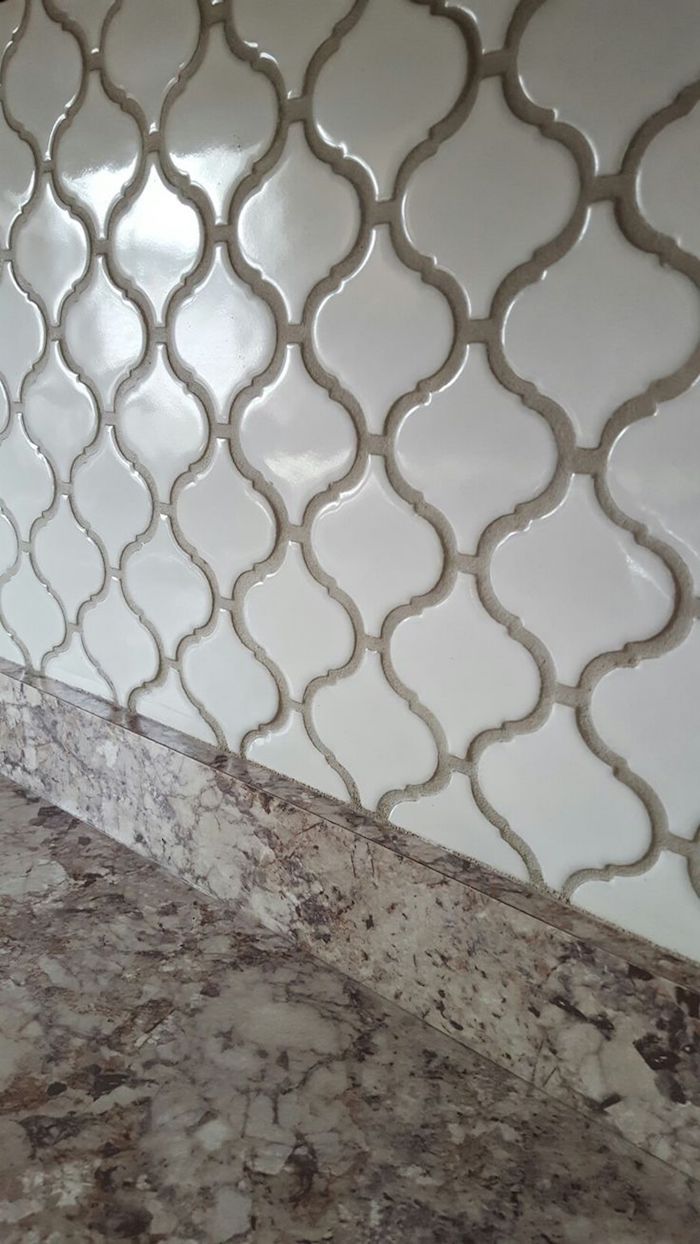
167	1076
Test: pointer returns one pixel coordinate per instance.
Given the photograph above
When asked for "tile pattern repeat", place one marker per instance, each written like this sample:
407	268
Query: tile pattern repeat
348	406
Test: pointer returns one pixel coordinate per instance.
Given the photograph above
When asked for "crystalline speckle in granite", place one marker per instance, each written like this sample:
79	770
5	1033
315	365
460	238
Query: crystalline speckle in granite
167	1076
608	1035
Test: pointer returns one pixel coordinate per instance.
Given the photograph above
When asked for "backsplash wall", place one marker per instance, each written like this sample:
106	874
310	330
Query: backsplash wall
350	413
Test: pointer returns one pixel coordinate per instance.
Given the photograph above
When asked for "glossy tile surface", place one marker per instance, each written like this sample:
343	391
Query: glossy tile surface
601	325
43	77
298	624
225	675
289	749
299	222
98	154
659	903
451	449
396	74
552	776
157	240
167	587
21	349
242	1094
452	819
51	250
376	547
25	478
161	423
616	64
581	583
515	203
198	126
669	160
382	331
60	413
68	559
348	404
373	733
104	334
297	436
651	715
146	46
111	496
223	333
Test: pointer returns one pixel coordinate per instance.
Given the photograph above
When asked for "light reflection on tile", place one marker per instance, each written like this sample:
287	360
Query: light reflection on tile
348	419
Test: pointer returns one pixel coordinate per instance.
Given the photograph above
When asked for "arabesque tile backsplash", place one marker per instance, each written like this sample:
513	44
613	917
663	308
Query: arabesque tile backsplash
350	406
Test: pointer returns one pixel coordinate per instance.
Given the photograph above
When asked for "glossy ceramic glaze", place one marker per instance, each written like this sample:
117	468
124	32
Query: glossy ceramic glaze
348	406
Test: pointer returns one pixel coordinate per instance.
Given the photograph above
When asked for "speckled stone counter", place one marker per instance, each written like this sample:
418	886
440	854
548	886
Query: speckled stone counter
595	1018
166	1076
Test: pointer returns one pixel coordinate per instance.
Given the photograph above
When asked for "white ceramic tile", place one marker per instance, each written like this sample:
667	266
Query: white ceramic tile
373	732
8	543
122	408
515	204
31	612
17	178
653	472
492	17
290	750
221	123
289	42
581	583
651	715
614	65
51	249
659	904
169	705
453	448
603	323
59	411
68	559
297	623
161	423
670	161
167	586
301	221
42	77
26	484
20	348
111	496
297	436
563	801
114	637
224	332
452	819
146	46
383	330
9	650
227	521
90	16
376	547
157	240
96	156
104	333
11	15
396	73
74	667
464	666
229	681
